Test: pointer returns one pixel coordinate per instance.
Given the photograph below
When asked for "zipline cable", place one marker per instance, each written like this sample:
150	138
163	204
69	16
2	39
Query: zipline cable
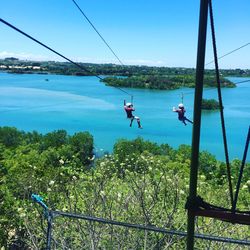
47	47
220	101
78	65
229	53
57	53
97	32
242	82
150	228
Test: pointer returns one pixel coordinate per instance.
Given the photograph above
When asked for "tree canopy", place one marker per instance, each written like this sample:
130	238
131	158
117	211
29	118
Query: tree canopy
162	82
140	182
13	65
210	104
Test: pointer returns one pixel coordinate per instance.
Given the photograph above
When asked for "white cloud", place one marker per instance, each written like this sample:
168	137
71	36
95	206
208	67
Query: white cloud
146	62
26	56
157	63
126	62
34	57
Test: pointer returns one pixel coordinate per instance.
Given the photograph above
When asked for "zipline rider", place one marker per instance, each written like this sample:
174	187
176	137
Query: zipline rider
181	114
128	107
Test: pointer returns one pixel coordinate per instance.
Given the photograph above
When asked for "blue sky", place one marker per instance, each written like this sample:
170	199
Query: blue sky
141	32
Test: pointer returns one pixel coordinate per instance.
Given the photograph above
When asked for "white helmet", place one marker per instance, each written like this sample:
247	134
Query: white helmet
181	106
128	104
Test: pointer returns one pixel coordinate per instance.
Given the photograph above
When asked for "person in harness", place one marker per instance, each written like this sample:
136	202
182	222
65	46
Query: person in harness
128	107
181	114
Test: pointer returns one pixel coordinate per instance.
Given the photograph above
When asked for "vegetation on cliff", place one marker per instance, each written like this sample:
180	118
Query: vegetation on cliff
210	104
164	82
140	182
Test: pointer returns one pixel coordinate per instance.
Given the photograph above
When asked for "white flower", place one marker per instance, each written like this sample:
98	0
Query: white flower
182	192
22	215
51	183
203	177
61	161
74	178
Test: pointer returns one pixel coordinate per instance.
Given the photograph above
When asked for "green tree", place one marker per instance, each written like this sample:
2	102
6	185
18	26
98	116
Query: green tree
210	104
82	145
10	136
55	139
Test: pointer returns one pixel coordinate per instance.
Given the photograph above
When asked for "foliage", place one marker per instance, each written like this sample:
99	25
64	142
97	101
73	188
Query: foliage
163	82
210	104
10	137
13	65
141	182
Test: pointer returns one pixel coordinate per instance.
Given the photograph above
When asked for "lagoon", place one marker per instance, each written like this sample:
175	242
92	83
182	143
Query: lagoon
50	102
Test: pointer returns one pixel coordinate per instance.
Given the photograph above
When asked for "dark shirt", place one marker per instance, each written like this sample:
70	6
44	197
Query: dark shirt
181	113
129	111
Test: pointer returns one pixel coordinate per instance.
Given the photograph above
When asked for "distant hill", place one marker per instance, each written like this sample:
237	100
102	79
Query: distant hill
113	69
133	76
164	82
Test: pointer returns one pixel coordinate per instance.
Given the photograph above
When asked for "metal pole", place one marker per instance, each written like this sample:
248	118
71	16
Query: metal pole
220	102
49	230
197	119
241	171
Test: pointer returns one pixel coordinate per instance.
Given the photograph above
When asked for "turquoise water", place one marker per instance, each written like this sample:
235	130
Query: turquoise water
29	102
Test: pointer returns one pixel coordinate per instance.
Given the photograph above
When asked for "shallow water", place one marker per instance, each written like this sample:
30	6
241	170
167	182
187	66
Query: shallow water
29	102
